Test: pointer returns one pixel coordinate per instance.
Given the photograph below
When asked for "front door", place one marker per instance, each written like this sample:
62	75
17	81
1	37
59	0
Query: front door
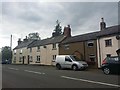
28	59
23	59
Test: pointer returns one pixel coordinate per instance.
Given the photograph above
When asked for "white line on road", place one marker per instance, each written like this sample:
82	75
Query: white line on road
84	80
13	68
34	72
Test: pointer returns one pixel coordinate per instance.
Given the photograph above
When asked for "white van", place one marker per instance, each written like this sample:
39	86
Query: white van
69	61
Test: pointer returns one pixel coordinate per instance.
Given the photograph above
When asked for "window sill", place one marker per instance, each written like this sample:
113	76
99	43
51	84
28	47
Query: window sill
37	62
53	60
54	49
38	50
108	46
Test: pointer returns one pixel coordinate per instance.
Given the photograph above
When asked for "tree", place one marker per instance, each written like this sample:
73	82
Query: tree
6	54
58	29
34	36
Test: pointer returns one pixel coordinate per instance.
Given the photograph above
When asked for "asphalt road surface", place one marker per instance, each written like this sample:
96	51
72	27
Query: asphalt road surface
28	76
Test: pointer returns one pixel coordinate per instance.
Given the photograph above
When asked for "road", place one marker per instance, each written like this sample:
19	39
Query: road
28	76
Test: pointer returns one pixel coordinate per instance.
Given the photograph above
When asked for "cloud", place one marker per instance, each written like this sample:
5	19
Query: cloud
22	18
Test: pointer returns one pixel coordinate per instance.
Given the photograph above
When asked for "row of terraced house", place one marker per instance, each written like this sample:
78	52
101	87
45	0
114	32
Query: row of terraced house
90	47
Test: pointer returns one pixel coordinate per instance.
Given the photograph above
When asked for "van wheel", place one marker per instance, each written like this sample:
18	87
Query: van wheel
58	66
74	67
106	70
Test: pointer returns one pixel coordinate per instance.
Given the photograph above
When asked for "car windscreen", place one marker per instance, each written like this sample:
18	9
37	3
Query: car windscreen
74	58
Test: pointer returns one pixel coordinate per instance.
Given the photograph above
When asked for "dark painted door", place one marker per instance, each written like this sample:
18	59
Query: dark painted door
28	59
23	59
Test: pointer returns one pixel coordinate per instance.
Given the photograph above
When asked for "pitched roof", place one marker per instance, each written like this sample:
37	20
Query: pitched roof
109	31
94	35
24	44
47	41
83	37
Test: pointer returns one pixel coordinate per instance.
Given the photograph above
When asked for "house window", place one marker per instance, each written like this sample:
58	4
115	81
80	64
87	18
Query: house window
14	60
31	59
44	46
108	55
54	45
30	49
66	47
38	59
21	51
20	59
90	44
92	59
108	42
14	52
38	48
54	58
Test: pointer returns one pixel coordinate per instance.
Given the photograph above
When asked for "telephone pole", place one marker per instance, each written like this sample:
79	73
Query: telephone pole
11	42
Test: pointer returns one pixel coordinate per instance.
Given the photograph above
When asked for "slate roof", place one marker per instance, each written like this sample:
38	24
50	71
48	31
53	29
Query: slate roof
94	35
23	44
109	31
84	37
47	41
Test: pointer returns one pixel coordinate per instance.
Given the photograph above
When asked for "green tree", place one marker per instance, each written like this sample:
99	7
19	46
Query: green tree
34	36
58	29
6	54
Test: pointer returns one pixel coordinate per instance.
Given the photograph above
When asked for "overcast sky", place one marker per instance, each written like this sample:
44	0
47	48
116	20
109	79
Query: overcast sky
22	18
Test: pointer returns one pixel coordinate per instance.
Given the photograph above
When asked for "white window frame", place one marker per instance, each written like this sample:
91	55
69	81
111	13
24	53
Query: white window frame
66	46
89	43
53	58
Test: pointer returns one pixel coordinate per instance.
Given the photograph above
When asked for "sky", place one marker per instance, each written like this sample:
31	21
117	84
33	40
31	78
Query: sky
21	18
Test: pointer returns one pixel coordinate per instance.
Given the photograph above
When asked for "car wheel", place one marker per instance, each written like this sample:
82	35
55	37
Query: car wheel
106	70
58	66
74	67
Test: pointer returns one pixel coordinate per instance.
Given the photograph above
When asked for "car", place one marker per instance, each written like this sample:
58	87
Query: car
111	65
5	62
71	62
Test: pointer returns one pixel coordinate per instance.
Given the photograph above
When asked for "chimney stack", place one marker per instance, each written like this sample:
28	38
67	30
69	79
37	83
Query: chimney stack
102	24
26	39
67	31
19	41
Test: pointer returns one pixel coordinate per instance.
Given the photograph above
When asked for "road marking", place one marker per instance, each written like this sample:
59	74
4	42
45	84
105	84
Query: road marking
13	68
33	72
84	80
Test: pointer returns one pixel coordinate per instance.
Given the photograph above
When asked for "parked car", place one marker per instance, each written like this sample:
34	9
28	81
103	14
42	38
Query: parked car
5	62
111	65
69	61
